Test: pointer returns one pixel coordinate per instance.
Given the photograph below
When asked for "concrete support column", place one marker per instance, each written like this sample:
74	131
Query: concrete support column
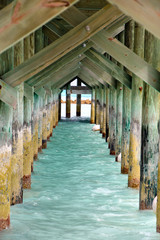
112	120
93	107
5	163
78	109
68	103
150	133
27	144
136	114
104	113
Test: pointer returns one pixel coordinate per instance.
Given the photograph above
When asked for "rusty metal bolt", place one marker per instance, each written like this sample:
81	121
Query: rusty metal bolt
120	88
140	88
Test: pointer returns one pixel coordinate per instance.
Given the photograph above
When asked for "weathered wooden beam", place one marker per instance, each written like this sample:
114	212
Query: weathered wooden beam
79	91
59	74
91	4
66	43
58	31
61	81
28	91
79	88
128	59
30	15
48	90
8	94
145	12
110	67
84	82
87	79
49	34
60	63
88	76
107	78
74	17
40	92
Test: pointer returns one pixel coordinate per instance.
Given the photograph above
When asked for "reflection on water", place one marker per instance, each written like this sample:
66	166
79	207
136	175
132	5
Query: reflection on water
78	193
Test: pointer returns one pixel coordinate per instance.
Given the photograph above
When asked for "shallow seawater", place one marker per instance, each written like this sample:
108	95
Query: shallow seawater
78	193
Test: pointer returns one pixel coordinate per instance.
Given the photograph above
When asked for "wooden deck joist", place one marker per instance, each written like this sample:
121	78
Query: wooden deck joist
99	72
128	59
145	12
28	91
79	91
59	64
8	94
58	74
20	18
111	68
62	46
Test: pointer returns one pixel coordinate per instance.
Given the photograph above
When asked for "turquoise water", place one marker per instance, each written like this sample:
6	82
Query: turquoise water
78	193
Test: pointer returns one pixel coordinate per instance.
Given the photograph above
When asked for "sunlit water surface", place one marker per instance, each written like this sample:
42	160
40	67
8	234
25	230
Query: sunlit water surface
78	193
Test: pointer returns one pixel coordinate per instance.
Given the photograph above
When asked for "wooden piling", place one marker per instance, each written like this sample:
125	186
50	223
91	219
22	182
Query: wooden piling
68	103
57	104
97	106
119	106
150	135
27	142
5	163
78	107
107	112
54	108
129	42
59	114
44	124
136	114
101	108
119	110
93	107
104	113
40	119
48	117
17	149
112	120
35	126
17	135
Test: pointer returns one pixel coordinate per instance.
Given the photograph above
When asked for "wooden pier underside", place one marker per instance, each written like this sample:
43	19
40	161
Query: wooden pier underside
113	47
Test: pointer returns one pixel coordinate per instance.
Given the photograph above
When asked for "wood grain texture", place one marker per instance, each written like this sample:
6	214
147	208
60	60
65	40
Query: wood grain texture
22	17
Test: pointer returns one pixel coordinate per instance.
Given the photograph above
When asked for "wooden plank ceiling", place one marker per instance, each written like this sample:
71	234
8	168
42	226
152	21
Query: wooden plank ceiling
75	41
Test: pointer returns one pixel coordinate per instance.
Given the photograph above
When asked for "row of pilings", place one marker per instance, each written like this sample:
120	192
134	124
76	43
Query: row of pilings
129	119
25	131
